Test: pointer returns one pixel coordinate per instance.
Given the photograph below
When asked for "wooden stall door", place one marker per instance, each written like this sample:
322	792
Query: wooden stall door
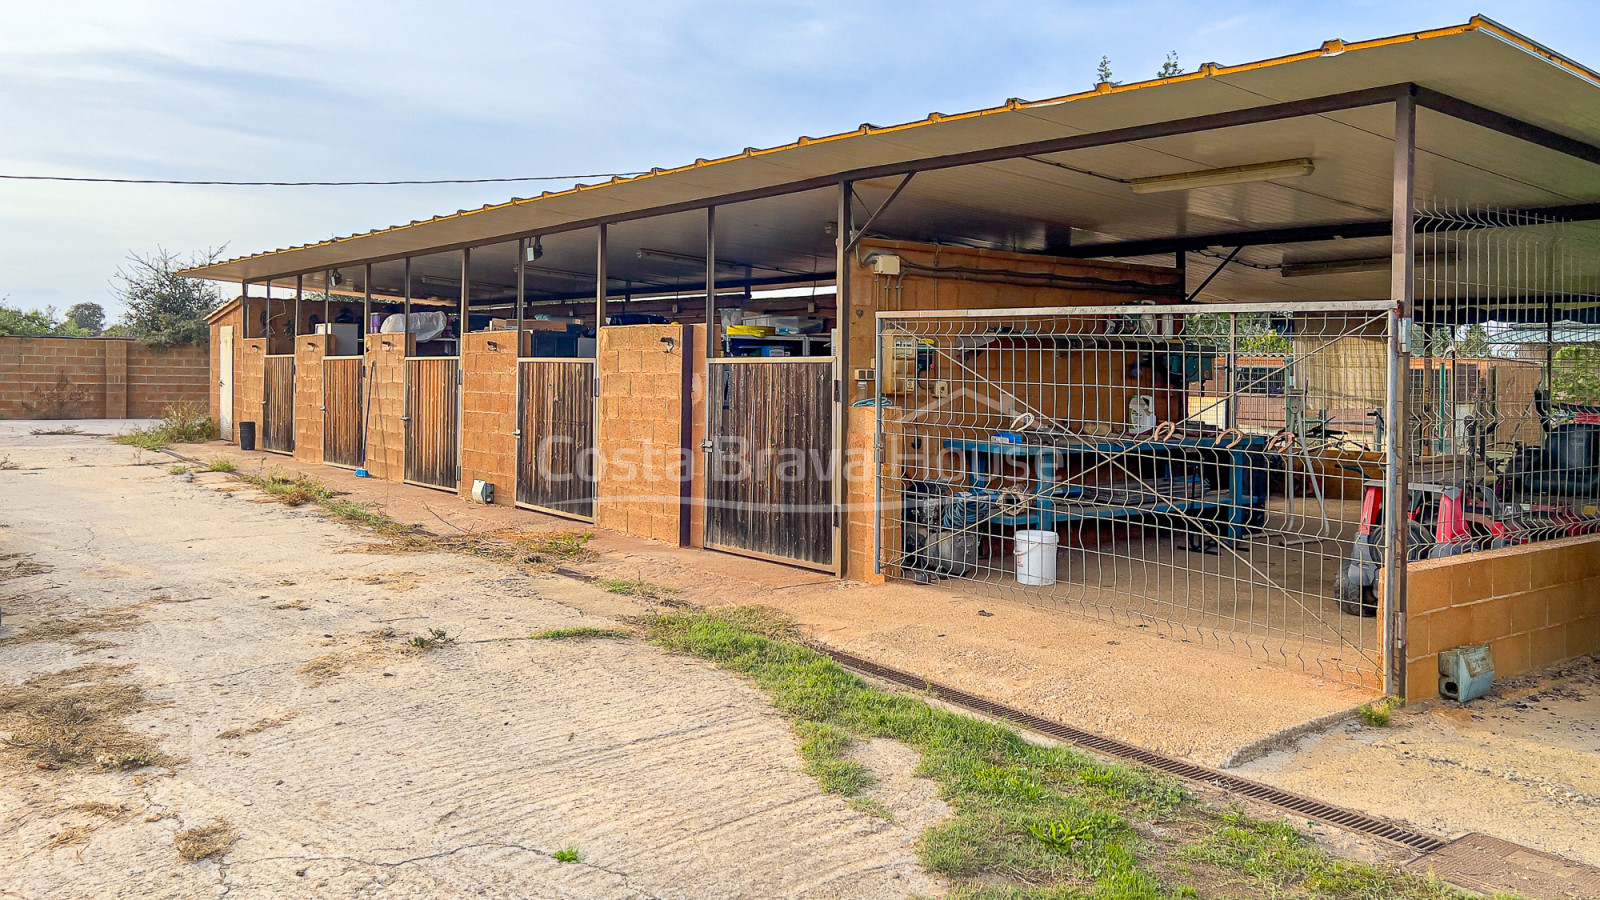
343	431
277	413
770	464
555	447
433	391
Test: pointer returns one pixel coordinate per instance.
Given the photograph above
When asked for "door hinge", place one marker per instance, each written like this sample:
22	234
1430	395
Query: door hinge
708	445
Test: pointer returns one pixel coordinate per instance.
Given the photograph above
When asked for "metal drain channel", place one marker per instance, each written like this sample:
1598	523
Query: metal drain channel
1347	819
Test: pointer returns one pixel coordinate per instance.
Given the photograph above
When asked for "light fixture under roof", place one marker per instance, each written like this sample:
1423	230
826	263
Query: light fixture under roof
1183	181
685	259
1335	267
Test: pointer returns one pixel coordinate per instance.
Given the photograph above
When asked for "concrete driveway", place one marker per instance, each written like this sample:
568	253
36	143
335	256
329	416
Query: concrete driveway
275	676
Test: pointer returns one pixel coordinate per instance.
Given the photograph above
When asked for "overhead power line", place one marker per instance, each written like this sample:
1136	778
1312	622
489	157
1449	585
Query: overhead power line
316	183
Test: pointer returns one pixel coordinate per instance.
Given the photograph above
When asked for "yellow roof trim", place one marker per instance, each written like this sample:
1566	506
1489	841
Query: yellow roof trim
1207	70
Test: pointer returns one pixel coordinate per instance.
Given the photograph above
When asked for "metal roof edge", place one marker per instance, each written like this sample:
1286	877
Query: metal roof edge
1207	70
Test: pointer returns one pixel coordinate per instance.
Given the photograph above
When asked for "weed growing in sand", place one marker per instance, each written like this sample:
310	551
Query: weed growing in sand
578	634
568	854
220	464
184	423
6	464
1379	713
295	490
177	470
634	587
1028	821
434	639
206	841
365	516
58	430
563	545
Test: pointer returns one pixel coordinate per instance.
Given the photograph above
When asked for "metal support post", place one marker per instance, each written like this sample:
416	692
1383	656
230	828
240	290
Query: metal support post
1402	290
845	241
599	282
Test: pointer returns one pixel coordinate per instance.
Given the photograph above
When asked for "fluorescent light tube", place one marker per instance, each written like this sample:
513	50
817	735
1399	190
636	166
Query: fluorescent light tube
1183	181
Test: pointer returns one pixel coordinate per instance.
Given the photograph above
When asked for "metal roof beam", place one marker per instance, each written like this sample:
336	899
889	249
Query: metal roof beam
1508	125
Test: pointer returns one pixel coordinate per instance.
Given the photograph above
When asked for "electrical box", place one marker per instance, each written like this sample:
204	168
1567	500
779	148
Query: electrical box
1465	673
885	264
899	364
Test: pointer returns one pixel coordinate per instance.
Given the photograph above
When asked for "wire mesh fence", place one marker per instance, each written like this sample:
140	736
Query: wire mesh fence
1204	471
1503	425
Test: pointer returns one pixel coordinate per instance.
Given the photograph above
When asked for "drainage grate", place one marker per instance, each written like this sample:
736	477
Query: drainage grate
1347	819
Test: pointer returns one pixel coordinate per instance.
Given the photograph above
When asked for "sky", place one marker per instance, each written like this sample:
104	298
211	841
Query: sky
353	91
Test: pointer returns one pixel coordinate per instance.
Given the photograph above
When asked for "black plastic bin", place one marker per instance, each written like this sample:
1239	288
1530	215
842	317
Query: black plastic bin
247	435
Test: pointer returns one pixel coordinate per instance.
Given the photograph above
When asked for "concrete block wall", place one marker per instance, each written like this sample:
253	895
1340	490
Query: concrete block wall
248	383
638	429
1533	605
308	426
159	378
858	470
386	436
489	414
93	378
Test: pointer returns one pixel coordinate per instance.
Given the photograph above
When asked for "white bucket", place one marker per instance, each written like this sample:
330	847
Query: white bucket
1036	557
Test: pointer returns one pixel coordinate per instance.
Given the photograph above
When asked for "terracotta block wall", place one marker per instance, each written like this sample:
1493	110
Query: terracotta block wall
858	470
308	353
159	378
489	414
248	384
94	378
1533	605
386	435
638	432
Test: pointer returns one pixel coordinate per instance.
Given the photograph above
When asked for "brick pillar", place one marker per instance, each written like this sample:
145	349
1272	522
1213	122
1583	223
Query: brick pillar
638	433
116	355
386	435
489	414
309	350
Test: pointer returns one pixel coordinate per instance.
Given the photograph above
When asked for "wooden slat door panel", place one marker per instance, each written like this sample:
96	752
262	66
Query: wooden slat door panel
769	474
555	450
343	419
277	413
433	390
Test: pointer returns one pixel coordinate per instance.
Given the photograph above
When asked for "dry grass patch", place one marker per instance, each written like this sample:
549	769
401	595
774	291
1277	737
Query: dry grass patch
206	841
370	648
514	546
636	587
79	833
61	628
260	725
75	717
20	567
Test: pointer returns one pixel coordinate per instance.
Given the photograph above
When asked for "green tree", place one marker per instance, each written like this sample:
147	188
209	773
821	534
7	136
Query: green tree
1171	66
1576	373
1102	72
36	323
91	317
165	308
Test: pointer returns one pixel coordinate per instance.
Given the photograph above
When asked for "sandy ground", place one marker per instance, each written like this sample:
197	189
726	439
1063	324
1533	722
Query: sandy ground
457	770
1522	764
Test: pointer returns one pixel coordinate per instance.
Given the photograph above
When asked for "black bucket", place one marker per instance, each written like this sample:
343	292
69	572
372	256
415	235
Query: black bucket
247	435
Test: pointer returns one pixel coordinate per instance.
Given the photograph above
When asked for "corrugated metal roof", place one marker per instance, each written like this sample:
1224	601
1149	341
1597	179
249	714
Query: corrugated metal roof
1480	62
